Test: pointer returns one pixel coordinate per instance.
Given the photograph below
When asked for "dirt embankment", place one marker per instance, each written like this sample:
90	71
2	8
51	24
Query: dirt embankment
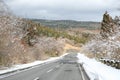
70	47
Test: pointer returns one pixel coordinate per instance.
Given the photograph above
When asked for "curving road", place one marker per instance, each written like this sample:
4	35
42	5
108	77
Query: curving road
63	69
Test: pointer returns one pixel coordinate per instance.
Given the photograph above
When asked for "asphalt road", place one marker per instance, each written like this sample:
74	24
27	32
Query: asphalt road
63	69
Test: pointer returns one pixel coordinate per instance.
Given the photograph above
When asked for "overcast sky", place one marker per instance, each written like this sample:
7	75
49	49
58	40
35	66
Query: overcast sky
82	10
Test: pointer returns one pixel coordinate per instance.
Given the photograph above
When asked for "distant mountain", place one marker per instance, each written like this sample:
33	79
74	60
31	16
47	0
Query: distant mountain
68	23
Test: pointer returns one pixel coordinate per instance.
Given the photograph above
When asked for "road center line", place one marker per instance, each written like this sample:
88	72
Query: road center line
49	70
37	78
57	66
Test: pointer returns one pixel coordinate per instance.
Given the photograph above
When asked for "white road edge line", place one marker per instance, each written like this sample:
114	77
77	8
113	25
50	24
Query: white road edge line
18	71
37	78
83	78
49	70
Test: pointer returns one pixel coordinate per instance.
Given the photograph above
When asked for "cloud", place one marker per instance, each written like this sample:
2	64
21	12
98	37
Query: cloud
64	9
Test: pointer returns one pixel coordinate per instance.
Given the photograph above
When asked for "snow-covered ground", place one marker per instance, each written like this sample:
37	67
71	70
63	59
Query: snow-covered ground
24	66
97	70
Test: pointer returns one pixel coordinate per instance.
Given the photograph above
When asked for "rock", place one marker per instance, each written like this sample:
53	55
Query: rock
107	26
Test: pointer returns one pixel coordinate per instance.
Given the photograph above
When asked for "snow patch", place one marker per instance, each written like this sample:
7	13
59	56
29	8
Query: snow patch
24	66
97	70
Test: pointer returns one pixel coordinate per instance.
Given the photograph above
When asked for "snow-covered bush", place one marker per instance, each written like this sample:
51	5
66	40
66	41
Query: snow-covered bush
107	43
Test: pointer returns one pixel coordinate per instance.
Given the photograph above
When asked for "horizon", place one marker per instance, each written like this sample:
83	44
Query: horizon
62	20
78	10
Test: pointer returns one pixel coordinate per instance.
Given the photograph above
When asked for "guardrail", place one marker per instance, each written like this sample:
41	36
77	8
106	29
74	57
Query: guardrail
112	63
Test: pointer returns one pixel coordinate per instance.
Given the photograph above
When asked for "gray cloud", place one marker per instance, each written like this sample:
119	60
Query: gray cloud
64	9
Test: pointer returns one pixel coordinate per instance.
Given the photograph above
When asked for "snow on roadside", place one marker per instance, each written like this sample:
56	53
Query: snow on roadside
97	70
23	66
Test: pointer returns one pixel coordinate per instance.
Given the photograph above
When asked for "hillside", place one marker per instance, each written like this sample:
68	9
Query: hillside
68	24
106	44
28	41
